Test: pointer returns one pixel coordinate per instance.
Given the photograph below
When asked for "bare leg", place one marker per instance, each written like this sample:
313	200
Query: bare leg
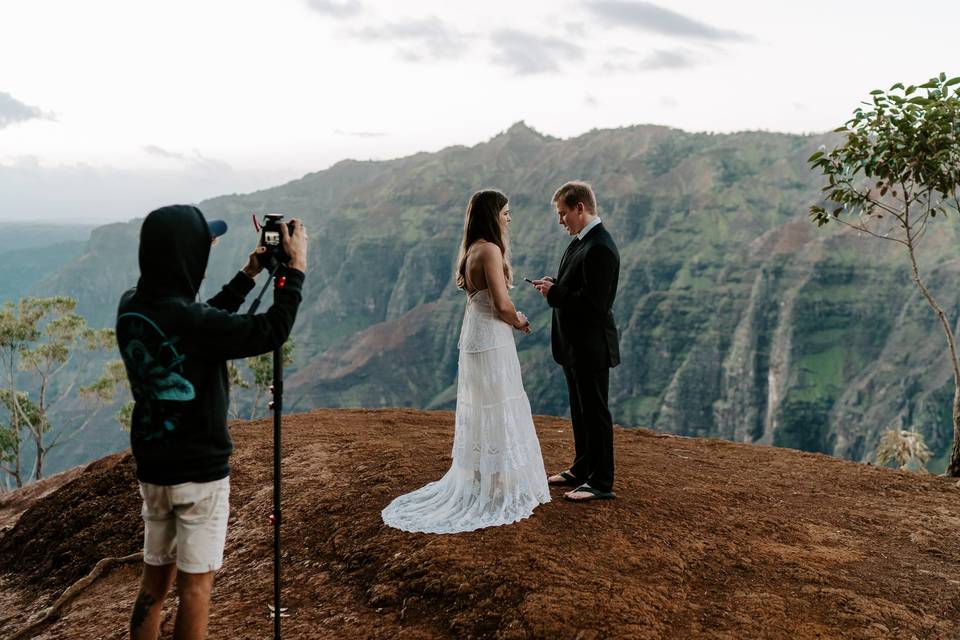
194	608
145	617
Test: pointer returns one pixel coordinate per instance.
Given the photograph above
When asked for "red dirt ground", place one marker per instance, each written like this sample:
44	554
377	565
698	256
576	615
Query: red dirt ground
14	503
708	539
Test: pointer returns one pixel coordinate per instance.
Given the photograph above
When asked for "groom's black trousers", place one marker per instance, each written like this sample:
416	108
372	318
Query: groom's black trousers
592	426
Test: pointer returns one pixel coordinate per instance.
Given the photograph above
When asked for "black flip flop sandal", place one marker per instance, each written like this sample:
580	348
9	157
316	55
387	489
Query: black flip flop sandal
595	494
568	480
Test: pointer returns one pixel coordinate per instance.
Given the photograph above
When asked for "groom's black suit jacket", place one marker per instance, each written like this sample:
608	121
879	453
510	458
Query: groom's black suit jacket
584	335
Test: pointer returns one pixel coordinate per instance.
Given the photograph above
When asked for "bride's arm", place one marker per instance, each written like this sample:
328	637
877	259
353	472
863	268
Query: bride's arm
492	262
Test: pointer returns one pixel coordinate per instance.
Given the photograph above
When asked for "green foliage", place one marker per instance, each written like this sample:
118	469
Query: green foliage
103	388
19	408
94	339
259	377
39	336
733	165
900	148
20	403
670	152
803	423
125	415
236	378
113	379
261	366
9	443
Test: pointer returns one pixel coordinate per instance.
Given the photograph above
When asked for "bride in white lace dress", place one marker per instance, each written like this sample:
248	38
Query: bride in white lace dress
497	475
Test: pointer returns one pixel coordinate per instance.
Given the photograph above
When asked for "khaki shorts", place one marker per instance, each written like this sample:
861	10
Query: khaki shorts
185	523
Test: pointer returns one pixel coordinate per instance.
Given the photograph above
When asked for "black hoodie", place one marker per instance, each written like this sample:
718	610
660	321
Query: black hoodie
175	349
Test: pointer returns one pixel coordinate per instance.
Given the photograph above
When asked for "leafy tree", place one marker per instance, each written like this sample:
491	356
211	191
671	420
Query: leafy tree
897	170
9	449
11	436
38	339
260	370
125	415
104	390
237	381
17	330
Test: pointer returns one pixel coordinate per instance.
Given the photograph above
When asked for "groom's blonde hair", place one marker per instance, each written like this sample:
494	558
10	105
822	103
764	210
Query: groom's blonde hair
576	191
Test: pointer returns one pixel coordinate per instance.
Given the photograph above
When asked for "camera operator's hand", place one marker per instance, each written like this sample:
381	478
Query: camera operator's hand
254	266
295	245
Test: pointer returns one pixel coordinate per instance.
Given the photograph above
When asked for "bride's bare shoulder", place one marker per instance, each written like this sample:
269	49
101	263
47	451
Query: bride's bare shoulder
478	244
483	248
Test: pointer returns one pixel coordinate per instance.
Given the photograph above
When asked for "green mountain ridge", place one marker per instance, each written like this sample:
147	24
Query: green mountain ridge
739	319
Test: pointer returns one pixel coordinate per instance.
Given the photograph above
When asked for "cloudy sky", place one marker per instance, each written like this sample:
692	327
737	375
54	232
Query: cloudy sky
108	108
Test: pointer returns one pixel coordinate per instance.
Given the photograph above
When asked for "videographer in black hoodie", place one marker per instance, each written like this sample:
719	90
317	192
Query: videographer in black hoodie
176	349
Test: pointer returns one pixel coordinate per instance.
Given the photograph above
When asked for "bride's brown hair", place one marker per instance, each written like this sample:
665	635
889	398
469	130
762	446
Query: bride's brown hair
482	222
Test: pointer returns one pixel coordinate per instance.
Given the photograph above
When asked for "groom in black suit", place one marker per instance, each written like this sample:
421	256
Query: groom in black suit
584	338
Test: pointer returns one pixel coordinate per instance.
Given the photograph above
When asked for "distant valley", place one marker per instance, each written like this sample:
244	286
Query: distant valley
30	251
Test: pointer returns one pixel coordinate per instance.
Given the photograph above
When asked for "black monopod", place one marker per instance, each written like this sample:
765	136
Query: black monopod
274	257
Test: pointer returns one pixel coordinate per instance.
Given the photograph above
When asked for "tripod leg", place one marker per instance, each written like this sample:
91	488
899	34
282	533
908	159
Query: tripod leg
277	412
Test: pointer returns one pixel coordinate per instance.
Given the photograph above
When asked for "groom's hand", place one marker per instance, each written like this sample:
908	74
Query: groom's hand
543	285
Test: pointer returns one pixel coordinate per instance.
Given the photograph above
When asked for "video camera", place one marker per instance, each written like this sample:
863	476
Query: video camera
272	238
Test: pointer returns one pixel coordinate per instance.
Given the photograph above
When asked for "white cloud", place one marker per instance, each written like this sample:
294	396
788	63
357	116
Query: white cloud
649	17
527	53
361	134
428	39
657	60
343	9
13	111
160	152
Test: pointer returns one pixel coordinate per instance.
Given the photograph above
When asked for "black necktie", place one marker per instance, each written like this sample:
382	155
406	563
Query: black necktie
566	254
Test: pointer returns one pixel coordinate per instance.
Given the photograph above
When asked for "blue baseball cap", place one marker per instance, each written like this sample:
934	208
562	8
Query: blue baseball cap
217	228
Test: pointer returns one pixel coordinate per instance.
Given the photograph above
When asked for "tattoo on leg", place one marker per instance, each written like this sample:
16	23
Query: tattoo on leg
141	608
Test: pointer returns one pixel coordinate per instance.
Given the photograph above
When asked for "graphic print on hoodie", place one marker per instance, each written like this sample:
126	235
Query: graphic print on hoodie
155	371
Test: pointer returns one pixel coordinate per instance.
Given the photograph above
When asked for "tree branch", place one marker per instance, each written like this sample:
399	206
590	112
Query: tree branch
21	414
50	613
879	203
923	225
13	472
947	329
63	395
60	368
868	231
61	438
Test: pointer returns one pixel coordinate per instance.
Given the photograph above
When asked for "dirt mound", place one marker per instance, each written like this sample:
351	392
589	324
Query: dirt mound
708	539
14	503
61	537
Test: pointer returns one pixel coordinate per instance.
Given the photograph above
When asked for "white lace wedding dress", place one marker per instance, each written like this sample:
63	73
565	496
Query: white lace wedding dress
497	475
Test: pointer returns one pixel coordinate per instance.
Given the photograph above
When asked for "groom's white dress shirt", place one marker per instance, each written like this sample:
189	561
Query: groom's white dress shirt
583	232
